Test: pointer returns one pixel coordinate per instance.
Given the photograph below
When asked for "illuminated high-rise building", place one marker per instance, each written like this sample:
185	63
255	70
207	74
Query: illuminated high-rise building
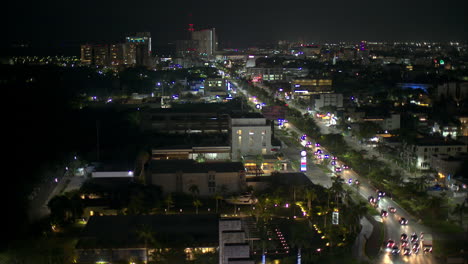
207	41
135	51
139	44
87	54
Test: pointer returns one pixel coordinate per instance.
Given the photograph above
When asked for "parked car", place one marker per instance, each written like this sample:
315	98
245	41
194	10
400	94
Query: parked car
242	199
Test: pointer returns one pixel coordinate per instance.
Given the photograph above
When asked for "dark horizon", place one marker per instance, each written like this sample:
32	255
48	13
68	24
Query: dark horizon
49	24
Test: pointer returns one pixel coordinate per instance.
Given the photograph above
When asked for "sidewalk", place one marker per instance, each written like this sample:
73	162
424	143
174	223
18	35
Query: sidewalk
373	243
361	239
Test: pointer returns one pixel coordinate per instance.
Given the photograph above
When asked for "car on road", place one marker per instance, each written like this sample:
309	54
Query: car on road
416	248
403	221
391	209
395	250
414	238
380	193
405	244
345	167
371	199
406	251
390	243
404	236
383	213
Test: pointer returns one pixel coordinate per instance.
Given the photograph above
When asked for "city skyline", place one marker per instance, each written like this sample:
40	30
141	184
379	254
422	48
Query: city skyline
241	24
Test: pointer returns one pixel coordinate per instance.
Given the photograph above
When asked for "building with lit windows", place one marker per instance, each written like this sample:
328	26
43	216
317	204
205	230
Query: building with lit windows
209	177
135	51
464	126
206	41
260	74
117	239
139	44
311	86
424	148
86	54
250	134
328	99
215	87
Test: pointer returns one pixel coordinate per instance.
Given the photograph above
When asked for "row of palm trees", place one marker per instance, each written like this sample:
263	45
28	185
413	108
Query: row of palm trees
320	202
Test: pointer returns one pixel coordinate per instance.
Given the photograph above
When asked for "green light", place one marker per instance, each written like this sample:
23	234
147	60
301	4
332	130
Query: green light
441	62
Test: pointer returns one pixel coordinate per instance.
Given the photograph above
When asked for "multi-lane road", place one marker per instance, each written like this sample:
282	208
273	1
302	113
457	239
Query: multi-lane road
392	227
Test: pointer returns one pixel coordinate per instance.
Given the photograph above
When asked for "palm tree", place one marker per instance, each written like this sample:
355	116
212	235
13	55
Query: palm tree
311	196
460	210
169	202
358	211
218	197
337	187
434	203
142	158
194	190
146	233
347	196
300	238
197	203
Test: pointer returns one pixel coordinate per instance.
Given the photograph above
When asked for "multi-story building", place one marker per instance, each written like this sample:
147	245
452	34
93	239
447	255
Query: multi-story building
328	99
209	177
307	87
167	120
448	166
142	46
135	51
250	134
86	54
446	130
424	148
209	153
116	54
215	87
206	40
260	74
454	90
389	122
233	245
116	239
464	126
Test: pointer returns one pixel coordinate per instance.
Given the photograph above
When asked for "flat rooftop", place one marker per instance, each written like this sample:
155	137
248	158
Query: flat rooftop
121	231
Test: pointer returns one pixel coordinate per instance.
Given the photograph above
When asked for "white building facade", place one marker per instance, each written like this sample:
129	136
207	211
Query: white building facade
250	136
423	151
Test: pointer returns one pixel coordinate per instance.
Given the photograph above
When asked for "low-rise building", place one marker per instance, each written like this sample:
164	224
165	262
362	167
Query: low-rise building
448	166
119	239
424	148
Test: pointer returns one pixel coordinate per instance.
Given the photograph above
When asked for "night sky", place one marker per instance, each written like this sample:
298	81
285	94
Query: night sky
238	23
